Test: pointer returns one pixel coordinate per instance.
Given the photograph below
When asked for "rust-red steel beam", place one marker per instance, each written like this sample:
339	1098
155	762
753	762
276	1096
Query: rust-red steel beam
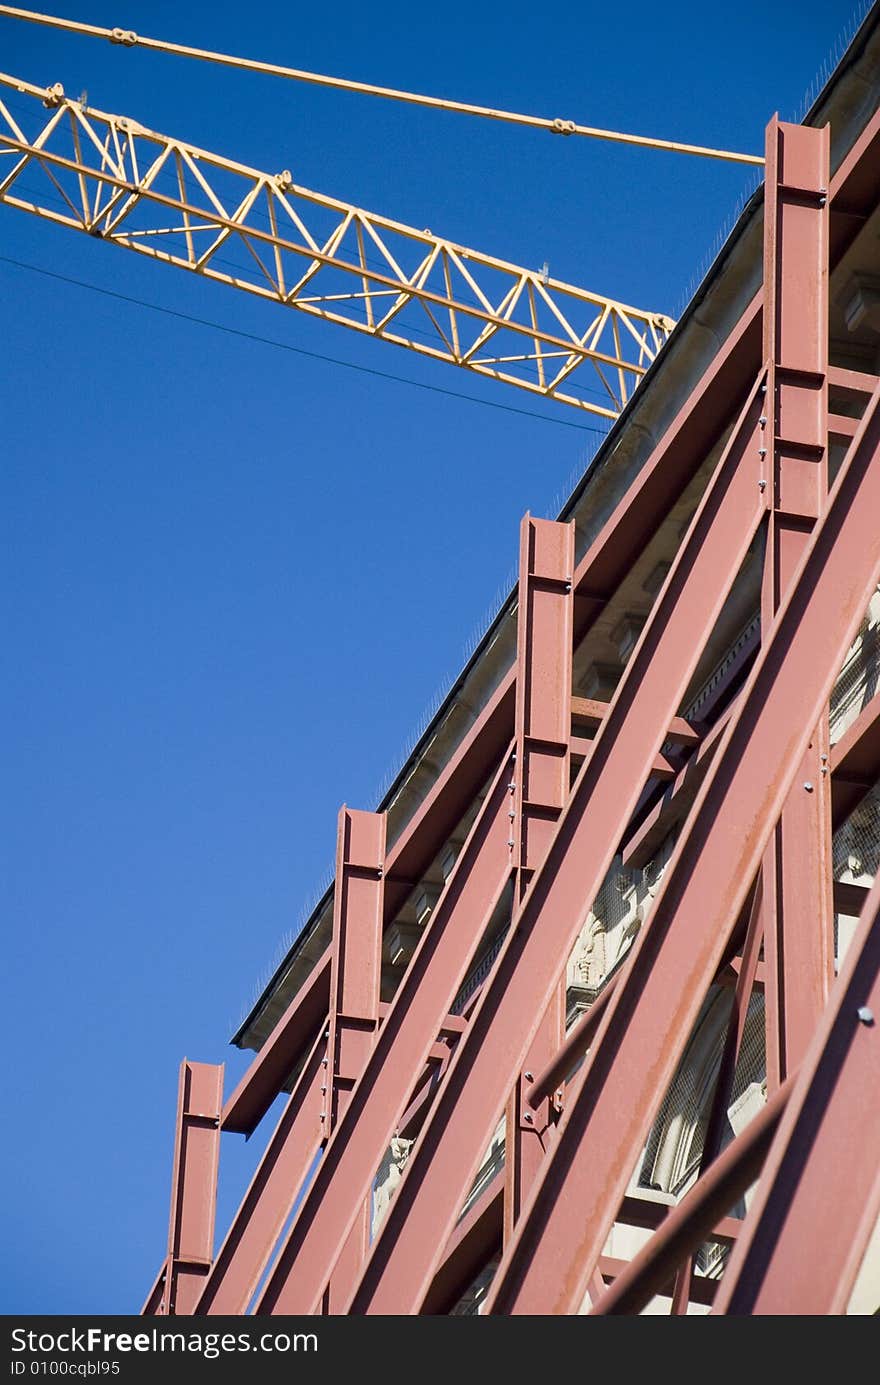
404	1256
640	1211
616	1095
476	1238
544	710
704	1289
355	974
578	1039
581	748
691	1221
345	1037
806	1233
736	1027
702	420
670	468
592	712
193	1186
855	189
798	913
475	887
736	1024
356	952
154	1298
467	771
572	1049
543	689
641	843
260	1219
857	382
448	799
272	1066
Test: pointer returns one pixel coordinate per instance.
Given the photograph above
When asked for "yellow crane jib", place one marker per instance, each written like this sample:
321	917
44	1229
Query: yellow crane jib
259	232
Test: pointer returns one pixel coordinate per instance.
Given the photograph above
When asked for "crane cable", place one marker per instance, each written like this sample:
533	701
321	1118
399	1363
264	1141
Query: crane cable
127	38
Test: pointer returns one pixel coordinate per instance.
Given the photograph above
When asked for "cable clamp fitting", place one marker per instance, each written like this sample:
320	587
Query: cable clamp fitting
54	95
562	127
127	37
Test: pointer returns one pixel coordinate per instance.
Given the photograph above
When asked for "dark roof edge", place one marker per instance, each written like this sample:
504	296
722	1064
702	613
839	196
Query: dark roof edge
603	452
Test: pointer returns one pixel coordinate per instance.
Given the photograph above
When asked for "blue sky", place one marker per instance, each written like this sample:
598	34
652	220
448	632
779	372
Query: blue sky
233	577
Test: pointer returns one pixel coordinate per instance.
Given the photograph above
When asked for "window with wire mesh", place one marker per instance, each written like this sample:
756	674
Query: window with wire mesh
492	1164
672	1155
856	845
856	855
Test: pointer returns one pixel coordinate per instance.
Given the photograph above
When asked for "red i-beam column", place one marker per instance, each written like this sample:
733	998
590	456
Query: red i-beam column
542	774
193	1185
258	1223
510	834
324	1084
798	911
354	997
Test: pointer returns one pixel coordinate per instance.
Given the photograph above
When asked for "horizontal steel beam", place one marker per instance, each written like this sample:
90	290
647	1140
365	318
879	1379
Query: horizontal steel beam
272	1066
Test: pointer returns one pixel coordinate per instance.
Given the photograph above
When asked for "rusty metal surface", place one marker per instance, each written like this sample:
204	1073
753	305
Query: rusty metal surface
561	1233
403	1258
798	914
754	800
425	997
818	1200
193	1186
542	777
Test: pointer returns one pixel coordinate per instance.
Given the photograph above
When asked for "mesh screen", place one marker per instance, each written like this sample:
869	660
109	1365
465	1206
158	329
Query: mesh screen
856	848
860	675
675	1144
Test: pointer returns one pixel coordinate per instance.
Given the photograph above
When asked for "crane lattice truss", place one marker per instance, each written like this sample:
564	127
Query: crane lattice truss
746	900
109	176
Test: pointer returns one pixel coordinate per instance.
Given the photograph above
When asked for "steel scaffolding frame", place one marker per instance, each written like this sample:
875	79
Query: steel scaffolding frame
746	900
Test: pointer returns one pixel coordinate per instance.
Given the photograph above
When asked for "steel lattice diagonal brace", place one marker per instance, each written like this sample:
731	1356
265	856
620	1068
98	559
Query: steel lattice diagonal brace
562	1232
